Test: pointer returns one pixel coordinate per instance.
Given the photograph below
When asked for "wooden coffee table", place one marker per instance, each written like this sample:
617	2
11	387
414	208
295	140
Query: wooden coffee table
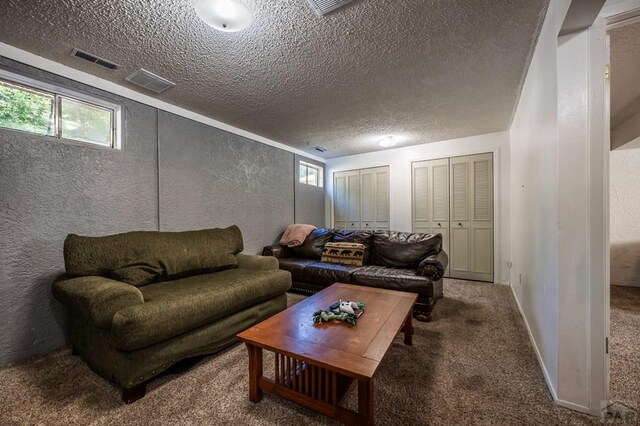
316	364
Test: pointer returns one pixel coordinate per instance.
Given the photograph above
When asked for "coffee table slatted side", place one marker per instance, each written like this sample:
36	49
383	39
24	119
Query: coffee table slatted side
316	365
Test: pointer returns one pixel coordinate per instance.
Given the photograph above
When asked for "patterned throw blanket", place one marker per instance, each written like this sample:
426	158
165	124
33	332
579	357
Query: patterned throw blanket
295	234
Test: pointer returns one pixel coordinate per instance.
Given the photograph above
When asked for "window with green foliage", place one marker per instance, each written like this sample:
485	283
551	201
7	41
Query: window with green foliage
26	110
41	109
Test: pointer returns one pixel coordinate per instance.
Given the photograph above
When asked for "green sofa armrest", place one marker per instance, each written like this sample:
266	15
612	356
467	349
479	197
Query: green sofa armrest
95	298
258	263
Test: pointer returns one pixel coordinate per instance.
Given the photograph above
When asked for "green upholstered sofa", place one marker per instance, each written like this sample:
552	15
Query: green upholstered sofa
141	301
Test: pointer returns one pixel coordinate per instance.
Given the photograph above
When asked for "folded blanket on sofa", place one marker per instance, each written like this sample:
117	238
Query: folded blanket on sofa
295	234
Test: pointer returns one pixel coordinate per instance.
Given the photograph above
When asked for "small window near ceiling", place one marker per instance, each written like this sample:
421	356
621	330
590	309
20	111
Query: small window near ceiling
30	106
26	110
84	122
310	174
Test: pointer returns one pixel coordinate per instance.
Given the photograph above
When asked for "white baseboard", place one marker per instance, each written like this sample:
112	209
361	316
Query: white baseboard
574	407
552	390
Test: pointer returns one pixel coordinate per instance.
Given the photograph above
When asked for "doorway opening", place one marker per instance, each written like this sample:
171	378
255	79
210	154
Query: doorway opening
623	33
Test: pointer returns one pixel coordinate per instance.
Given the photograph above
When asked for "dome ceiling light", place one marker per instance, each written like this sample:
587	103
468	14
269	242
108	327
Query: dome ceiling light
224	15
387	142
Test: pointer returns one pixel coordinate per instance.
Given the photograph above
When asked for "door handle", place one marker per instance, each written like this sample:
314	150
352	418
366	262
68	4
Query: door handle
459	224
440	225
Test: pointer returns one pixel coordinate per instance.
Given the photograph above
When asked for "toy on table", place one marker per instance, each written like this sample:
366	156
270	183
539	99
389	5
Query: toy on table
344	311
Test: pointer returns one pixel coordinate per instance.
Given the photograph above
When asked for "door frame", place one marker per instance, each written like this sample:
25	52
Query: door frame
612	16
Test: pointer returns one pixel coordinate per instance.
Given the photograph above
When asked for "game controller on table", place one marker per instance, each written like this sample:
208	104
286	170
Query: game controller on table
342	310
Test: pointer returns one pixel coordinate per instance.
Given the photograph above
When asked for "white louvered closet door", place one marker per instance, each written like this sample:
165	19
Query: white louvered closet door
361	199
482	217
439	188
340	200
353	197
346	199
374	191
420	196
471	194
459	256
431	199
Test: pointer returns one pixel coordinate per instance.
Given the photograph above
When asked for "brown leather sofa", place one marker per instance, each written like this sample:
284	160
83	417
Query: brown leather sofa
392	260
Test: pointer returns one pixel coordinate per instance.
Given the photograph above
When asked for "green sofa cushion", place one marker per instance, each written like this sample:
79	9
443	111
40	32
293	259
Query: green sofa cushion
175	307
143	257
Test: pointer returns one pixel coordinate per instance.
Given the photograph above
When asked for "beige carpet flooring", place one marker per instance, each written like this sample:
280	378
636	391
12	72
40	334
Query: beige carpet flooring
625	346
473	364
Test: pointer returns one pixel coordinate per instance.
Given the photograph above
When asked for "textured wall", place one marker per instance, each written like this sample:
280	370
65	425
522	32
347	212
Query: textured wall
211	178
49	189
625	216
309	199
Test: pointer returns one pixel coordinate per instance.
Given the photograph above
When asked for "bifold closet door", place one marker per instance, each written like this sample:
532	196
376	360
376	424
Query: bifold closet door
430	194
346	199
471	198
374	194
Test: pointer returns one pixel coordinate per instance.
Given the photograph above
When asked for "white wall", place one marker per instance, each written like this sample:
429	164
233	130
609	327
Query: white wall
399	161
573	220
625	215
559	220
534	196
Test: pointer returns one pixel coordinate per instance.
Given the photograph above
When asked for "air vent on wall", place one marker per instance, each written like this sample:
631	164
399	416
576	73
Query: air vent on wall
319	149
93	58
322	7
150	81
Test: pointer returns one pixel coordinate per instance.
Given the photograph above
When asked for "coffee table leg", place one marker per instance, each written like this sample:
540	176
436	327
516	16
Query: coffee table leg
365	402
408	330
255	373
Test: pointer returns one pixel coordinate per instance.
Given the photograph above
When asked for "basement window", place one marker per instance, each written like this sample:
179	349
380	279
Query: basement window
31	106
310	174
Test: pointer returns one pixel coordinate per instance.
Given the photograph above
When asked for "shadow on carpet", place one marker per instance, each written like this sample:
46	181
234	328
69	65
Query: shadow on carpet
473	364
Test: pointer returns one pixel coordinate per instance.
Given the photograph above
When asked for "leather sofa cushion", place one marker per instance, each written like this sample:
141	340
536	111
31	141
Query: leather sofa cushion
142	257
325	274
313	245
393	279
356	236
403	249
295	267
175	307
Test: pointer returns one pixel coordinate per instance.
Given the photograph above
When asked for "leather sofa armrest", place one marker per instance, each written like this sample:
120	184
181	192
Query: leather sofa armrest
257	263
276	251
95	298
434	265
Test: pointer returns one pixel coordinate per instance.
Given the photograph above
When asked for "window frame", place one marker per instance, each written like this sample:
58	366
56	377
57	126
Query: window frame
319	173
59	92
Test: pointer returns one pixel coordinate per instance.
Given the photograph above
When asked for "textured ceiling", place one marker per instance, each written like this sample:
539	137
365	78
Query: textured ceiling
625	73
424	70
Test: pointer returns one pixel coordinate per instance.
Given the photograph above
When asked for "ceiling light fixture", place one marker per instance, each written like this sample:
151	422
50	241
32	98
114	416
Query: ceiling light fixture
224	15
387	142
